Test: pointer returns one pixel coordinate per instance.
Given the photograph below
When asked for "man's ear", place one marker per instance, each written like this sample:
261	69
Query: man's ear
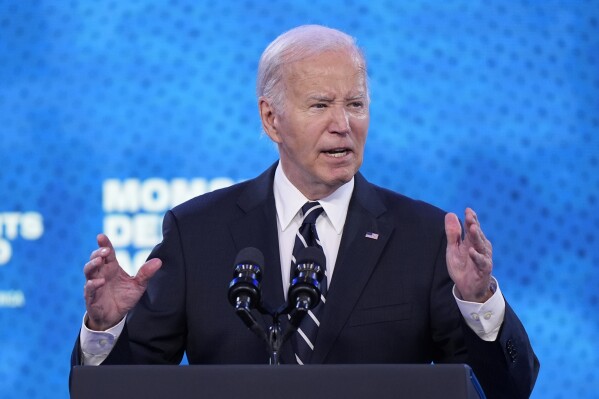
269	119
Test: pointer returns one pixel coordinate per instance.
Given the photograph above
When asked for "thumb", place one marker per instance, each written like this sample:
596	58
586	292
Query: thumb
453	229
147	271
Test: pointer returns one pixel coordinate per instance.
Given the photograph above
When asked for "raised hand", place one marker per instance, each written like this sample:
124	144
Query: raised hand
469	261
109	291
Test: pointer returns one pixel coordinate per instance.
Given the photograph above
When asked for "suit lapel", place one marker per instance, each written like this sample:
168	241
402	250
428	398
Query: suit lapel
356	260
364	237
258	228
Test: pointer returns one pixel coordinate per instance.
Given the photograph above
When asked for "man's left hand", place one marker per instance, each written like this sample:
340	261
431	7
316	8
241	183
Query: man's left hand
469	261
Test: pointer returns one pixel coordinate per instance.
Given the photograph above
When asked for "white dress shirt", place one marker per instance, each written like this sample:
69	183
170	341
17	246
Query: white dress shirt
485	319
329	225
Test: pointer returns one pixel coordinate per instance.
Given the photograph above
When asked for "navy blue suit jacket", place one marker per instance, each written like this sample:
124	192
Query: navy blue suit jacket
390	300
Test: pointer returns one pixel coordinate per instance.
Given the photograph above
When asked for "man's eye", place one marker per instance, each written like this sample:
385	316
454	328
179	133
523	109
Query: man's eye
356	104
319	105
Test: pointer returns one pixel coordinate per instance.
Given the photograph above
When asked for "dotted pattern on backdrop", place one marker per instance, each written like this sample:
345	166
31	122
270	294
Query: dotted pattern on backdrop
493	105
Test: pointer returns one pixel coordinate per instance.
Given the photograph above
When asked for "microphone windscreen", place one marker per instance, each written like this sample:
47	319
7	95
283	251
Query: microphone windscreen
311	255
250	255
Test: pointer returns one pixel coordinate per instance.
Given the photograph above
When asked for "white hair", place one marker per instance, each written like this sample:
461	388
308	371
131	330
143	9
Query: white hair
294	45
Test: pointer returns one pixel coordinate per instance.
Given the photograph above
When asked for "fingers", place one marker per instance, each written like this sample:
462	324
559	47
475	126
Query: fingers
475	233
99	252
100	256
480	260
105	249
91	287
91	268
481	250
104	242
472	220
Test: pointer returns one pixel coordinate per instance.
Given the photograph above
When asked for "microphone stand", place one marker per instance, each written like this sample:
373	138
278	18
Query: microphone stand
244	312
275	341
275	338
304	291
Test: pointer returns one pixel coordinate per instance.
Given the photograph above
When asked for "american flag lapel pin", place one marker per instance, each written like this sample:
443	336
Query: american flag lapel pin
372	236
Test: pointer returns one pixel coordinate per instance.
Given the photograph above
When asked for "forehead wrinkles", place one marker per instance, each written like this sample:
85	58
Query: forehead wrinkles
304	78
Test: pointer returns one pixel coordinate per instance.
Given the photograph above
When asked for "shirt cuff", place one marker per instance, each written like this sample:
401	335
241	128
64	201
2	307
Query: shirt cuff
485	319
96	345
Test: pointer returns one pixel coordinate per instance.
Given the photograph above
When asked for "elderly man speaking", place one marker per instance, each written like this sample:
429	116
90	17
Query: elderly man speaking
402	283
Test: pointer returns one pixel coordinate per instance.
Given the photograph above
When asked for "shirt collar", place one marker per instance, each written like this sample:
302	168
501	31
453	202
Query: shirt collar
289	200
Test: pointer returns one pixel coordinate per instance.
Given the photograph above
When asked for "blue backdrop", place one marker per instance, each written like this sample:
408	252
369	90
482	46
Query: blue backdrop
113	111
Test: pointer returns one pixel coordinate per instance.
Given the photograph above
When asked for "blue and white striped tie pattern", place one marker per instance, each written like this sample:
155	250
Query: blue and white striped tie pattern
303	340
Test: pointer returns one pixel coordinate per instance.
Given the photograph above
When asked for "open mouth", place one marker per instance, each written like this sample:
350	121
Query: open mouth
337	152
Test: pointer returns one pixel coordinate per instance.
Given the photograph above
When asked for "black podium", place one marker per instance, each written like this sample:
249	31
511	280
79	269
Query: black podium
286	381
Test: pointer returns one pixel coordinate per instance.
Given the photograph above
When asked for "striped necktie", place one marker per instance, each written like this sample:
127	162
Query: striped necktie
303	340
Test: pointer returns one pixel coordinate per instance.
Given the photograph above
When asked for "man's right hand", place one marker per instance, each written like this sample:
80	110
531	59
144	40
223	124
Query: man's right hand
109	291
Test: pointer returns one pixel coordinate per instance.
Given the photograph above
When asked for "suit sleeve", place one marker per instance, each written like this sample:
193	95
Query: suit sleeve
506	367
155	331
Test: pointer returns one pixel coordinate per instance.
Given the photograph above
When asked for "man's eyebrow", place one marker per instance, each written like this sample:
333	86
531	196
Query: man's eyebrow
319	97
326	98
359	96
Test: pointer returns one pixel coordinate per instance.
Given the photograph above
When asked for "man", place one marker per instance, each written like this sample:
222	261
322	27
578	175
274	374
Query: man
403	286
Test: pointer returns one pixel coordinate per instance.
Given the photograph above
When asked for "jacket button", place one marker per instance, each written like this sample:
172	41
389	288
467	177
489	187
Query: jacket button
511	350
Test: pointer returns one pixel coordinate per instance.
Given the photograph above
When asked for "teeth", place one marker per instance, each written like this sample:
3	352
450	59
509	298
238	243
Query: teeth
337	153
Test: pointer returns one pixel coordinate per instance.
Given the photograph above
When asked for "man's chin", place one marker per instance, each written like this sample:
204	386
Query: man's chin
344	173
340	177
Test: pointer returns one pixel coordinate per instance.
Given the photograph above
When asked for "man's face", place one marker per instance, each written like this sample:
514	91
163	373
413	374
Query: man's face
322	127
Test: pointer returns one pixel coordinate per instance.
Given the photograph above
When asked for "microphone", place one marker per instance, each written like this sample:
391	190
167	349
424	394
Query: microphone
244	289
305	288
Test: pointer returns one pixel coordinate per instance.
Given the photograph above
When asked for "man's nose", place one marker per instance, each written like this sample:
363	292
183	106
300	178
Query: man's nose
339	121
